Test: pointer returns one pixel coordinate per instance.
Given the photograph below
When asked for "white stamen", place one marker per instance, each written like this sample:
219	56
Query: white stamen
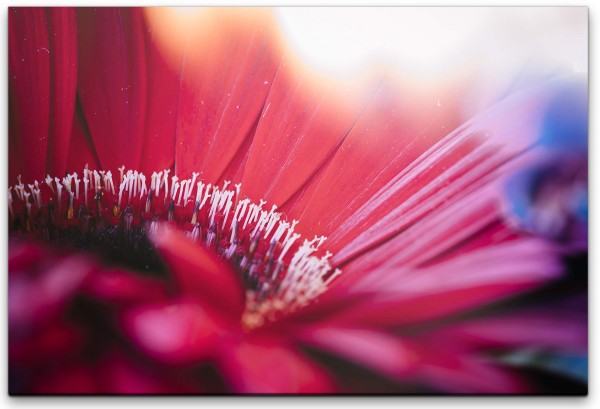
143	187
85	189
109	182
121	170
76	179
166	182
10	201
59	187
48	181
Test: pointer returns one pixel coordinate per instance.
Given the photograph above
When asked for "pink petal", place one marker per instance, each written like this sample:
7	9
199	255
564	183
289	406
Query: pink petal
179	332
29	91
533	329
122	288
200	273
158	151
264	367
72	379
62	31
54	344
121	375
112	82
303	123
395	129
39	296
408	296
452	371
81	147
228	71
377	350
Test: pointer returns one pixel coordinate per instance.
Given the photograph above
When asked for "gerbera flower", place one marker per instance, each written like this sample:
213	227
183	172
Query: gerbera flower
196	216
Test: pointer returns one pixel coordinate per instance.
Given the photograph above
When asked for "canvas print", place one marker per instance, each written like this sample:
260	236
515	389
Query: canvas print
240	201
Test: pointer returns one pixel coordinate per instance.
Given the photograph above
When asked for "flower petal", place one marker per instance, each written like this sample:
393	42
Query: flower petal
200	273
158	151
408	296
29	91
123	288
395	129
466	160
62	30
36	300
382	352
303	123
456	372
546	330
179	332
122	375
264	367
112	82
81	147
229	66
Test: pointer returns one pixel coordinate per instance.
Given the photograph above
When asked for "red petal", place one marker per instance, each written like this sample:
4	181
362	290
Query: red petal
200	273
112	82
407	296
453	371
54	344
158	150
384	353
532	329
264	367
228	71
121	375
74	379
122	288
63	59
303	123
467	160
36	300
181	332
81	147
391	133
29	91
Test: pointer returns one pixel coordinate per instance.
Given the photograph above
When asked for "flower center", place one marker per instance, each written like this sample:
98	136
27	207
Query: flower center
280	270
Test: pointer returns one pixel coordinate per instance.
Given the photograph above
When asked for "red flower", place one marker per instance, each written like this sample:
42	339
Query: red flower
221	156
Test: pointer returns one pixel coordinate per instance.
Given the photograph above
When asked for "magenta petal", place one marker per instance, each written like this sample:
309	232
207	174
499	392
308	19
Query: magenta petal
63	69
394	130
383	352
473	279
180	332
73	379
264	367
302	124
34	300
228	70
112	82
200	273
51	345
122	375
81	147
162	105
453	371
29	91
122	288
552	330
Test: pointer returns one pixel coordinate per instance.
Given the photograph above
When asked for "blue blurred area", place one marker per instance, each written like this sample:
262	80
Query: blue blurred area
551	195
565	123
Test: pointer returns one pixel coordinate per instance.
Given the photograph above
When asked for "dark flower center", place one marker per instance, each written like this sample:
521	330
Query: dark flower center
278	271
